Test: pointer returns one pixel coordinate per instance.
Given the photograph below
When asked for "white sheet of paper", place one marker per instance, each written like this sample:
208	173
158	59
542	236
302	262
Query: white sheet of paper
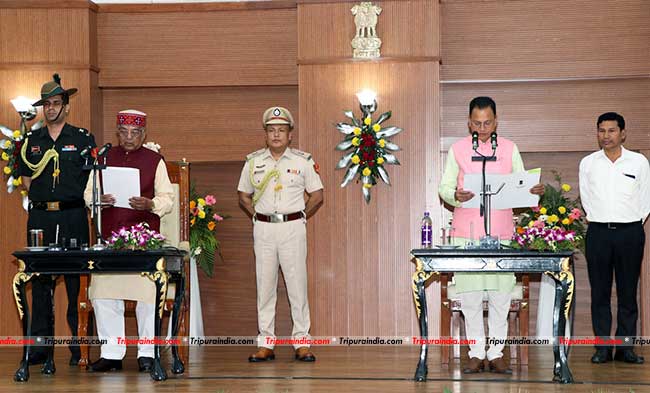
122	183
515	192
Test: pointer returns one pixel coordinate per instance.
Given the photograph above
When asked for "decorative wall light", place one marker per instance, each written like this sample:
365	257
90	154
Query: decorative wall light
366	44
12	142
27	112
369	143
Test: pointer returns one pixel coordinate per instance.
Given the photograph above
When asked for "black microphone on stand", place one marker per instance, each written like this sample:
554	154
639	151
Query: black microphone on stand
104	149
493	140
85	154
474	140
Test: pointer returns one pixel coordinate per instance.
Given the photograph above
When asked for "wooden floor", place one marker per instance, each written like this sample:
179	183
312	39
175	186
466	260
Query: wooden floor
338	369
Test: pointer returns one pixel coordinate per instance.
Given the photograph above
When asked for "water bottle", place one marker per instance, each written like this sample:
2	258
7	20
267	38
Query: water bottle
427	231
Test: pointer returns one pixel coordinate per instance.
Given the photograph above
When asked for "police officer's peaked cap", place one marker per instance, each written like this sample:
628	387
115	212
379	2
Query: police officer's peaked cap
53	88
277	115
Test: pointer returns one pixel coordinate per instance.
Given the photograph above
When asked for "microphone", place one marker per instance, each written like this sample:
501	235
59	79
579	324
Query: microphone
474	140
86	152
104	150
493	140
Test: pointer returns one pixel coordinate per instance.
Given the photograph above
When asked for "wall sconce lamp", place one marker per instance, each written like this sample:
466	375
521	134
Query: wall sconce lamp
27	112
367	101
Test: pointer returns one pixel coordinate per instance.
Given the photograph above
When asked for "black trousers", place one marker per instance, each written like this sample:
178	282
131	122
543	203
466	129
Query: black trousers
73	223
614	253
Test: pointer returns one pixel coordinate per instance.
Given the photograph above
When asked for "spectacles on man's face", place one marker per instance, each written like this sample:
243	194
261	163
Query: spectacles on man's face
133	133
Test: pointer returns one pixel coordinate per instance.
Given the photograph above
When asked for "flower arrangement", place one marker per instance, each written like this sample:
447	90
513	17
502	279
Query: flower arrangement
370	147
557	224
138	237
203	221
10	155
10	146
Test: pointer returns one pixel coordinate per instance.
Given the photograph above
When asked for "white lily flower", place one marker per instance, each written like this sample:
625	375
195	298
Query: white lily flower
7	132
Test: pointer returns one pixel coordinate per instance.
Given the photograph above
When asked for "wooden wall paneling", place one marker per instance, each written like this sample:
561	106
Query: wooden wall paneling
45	36
518	39
226	48
407	29
201	124
359	272
551	116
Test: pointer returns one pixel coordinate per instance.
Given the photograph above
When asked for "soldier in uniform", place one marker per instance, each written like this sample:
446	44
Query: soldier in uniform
51	167
280	188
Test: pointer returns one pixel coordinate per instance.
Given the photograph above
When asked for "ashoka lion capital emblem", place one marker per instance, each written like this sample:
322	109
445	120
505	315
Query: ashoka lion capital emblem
366	44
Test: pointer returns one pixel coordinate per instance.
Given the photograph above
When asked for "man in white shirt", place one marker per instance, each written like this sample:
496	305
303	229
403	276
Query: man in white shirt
615	193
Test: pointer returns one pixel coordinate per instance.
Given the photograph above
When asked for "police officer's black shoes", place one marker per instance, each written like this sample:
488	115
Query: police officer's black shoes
103	365
602	355
628	356
145	364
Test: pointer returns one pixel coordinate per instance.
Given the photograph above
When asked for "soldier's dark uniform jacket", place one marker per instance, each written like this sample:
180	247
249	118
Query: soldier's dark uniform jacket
66	208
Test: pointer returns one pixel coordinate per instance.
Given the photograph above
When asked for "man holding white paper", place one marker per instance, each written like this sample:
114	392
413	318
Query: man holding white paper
468	224
155	197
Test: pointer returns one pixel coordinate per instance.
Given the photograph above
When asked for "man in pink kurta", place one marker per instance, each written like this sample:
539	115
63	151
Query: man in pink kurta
472	288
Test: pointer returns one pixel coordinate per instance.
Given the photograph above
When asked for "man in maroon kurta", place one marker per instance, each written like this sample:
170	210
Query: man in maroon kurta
108	292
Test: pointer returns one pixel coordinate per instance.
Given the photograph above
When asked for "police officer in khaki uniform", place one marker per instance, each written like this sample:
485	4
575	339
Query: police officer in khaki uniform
280	188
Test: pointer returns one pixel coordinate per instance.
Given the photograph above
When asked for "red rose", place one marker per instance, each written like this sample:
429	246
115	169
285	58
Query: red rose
371	164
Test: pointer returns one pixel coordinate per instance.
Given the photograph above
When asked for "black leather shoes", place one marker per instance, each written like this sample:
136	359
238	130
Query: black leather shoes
628	356
602	355
103	365
37	358
145	364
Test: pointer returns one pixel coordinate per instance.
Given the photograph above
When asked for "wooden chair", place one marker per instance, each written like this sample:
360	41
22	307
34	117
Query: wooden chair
176	228
518	318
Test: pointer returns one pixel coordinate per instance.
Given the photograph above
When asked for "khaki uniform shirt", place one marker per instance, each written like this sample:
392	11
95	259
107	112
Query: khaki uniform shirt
279	186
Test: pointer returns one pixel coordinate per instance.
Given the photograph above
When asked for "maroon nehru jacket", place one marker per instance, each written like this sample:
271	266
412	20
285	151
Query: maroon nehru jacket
146	160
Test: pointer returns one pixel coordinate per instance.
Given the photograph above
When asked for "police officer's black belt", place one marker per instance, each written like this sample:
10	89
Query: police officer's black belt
615	225
279	217
56	206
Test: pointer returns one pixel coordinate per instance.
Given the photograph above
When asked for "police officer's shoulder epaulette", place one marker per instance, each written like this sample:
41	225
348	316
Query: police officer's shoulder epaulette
254	154
301	153
84	131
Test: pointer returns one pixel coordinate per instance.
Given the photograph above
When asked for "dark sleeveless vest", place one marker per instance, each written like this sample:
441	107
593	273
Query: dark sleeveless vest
146	160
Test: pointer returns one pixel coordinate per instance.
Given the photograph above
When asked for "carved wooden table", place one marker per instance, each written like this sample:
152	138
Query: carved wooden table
161	266
556	265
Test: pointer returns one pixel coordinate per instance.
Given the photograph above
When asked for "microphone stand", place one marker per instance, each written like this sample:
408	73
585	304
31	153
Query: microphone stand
95	211
486	194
